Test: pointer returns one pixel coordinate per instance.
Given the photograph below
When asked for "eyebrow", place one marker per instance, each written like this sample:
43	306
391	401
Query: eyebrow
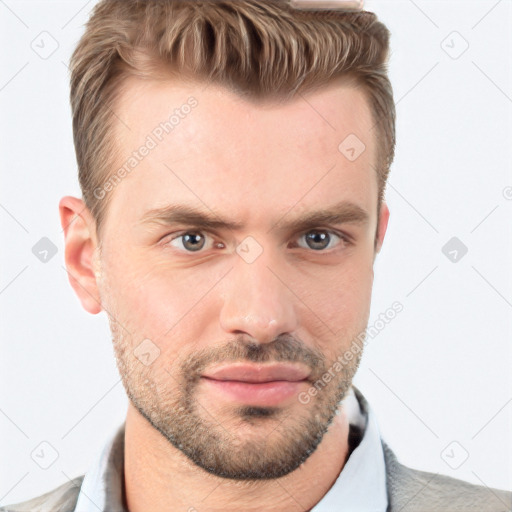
340	213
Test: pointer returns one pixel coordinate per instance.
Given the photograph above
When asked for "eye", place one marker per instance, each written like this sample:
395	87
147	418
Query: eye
196	240
190	241
320	239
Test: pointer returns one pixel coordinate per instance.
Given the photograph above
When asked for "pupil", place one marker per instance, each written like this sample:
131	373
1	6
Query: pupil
318	240
193	241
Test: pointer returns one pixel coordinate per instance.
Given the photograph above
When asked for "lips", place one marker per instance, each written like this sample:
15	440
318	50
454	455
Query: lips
244	372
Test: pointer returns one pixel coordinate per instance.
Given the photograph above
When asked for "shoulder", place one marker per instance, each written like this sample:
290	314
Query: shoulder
60	499
411	490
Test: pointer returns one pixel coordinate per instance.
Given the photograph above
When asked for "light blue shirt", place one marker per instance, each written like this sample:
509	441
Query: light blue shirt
360	486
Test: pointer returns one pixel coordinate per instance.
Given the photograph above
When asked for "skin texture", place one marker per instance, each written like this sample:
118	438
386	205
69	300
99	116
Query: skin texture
261	165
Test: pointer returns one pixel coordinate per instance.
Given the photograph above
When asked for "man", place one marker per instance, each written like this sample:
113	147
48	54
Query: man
233	157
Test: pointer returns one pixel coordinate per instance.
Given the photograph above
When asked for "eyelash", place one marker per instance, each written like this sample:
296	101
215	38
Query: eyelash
346	240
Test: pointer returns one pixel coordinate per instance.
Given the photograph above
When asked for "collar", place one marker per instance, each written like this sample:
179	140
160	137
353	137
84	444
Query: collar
360	486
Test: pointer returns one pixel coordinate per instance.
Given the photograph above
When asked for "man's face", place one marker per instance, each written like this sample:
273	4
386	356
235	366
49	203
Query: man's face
264	292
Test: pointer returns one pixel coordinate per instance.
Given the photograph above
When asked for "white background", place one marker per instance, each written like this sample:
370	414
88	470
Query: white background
439	373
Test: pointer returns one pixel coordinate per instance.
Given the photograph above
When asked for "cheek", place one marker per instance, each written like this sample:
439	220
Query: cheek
157	302
342	299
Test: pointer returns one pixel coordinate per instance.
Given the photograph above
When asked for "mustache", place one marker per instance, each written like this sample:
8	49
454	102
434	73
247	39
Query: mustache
284	348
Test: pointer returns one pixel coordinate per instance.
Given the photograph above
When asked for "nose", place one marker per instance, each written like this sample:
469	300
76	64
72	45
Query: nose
257	300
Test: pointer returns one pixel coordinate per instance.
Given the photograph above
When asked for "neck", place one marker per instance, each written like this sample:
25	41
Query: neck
158	477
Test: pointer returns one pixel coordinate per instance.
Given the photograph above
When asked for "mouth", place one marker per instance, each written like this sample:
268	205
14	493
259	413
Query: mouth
252	373
264	385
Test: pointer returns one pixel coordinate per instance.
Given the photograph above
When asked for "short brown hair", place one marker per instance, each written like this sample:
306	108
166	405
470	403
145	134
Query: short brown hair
260	49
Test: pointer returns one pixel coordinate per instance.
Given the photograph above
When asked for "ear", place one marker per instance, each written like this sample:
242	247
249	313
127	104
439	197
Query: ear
80	253
383	225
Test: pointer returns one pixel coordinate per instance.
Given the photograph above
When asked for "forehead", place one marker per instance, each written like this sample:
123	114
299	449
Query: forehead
209	147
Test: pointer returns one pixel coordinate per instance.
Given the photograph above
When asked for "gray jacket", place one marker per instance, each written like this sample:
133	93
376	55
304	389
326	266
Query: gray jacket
409	490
